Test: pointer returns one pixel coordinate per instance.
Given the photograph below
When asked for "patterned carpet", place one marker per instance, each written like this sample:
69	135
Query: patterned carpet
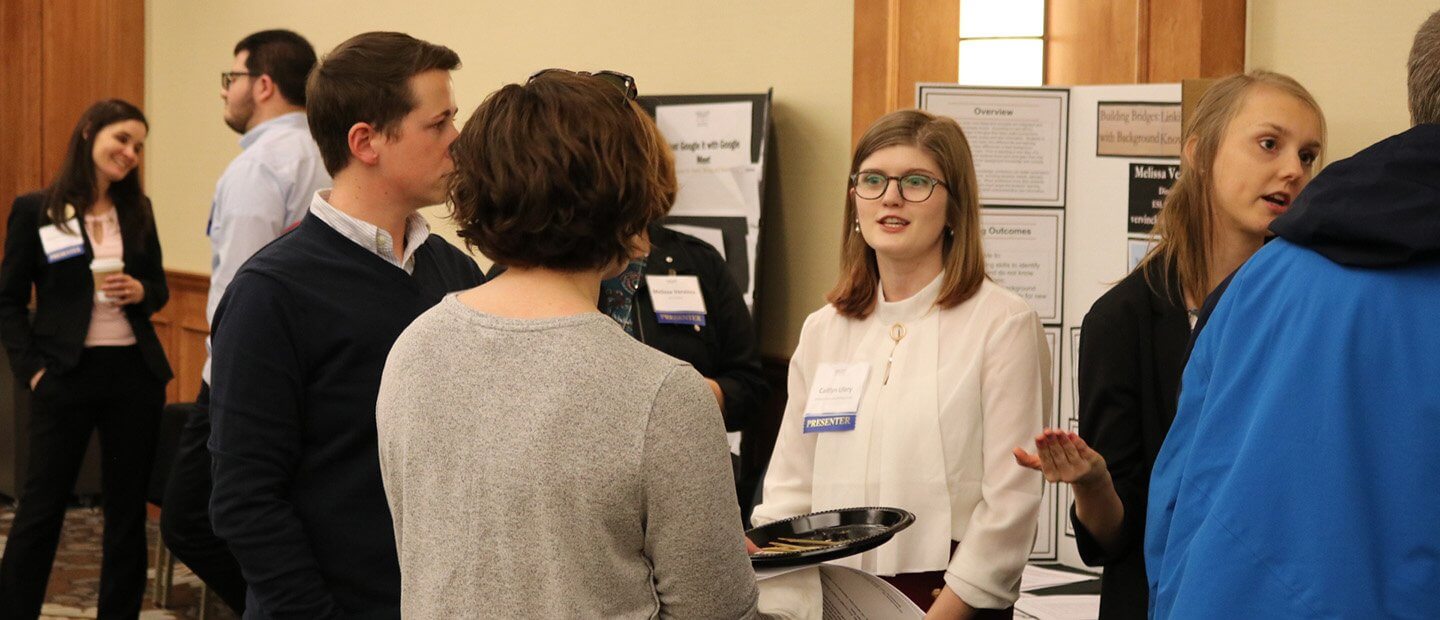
75	579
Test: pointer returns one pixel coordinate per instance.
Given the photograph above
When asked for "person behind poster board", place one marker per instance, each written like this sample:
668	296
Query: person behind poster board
1250	147
1298	479
941	369
89	355
591	471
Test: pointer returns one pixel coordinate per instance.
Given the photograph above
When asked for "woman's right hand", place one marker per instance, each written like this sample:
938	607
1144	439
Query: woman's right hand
35	380
1064	457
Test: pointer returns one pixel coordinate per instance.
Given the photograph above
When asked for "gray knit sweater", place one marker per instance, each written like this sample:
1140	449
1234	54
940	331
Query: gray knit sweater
555	468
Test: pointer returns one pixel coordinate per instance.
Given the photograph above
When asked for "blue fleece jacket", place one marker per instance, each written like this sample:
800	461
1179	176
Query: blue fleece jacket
1299	478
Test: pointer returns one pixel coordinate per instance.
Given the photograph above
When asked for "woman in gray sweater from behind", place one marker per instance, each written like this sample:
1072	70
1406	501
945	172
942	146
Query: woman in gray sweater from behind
538	461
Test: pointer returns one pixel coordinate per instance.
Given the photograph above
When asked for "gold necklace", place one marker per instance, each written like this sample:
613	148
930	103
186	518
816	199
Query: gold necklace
897	333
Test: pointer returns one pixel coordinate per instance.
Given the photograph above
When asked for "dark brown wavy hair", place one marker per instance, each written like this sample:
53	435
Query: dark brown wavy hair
75	184
561	173
962	256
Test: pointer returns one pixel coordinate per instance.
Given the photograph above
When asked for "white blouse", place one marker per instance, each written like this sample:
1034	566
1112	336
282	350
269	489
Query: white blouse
966	385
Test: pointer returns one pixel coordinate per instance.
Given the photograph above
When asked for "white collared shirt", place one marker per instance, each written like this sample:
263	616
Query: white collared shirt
372	237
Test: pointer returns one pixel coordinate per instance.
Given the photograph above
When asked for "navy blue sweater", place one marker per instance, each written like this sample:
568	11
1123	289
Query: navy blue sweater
299	343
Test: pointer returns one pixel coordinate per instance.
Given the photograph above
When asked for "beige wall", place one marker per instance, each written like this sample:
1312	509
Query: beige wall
1351	55
800	47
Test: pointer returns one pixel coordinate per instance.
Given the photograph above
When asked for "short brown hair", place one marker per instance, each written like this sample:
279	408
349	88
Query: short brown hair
962	256
1423	81
366	79
284	56
561	173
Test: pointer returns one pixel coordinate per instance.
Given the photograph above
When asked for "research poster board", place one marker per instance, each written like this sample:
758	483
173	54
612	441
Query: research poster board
1071	180
721	145
1103	242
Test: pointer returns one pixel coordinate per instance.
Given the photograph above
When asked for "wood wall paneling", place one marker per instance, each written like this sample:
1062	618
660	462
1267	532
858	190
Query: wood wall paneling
182	329
899	43
1092	42
1221	39
20	110
1143	41
92	49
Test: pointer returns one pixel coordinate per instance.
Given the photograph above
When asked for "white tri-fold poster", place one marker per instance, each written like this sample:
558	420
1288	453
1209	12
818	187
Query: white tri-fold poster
1070	181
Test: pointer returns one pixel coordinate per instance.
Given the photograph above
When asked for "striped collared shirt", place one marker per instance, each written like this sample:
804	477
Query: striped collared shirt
370	236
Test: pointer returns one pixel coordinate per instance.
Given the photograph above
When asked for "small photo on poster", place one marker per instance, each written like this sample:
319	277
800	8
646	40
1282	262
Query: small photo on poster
1135	250
1149	185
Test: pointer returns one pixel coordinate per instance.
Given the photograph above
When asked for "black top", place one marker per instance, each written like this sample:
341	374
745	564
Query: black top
65	295
299	344
724	349
1132	352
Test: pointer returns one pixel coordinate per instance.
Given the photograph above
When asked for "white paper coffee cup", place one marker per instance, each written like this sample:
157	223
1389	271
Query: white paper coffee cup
101	268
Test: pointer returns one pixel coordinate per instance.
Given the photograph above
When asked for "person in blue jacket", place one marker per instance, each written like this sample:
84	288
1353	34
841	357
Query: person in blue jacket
1298	478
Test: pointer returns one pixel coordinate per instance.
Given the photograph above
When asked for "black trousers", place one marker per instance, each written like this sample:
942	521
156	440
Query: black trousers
111	390
185	515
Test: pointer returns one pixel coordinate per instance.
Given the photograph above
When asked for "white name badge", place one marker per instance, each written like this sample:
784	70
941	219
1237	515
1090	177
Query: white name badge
677	299
60	245
835	397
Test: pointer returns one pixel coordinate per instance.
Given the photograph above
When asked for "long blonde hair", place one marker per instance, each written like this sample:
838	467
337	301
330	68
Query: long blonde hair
961	254
1186	224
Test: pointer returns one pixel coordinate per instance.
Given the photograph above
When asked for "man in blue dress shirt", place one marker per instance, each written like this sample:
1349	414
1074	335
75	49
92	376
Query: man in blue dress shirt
263	192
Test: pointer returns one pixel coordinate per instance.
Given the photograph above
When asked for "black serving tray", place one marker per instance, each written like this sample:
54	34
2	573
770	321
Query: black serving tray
858	529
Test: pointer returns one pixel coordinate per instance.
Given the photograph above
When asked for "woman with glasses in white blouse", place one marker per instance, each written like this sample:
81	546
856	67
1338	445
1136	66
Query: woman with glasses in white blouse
946	371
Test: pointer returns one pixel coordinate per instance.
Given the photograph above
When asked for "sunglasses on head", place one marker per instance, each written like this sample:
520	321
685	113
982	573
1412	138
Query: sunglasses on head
625	83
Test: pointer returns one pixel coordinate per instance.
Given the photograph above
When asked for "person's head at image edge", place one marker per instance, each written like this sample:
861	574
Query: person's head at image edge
381	107
102	160
1251	145
914	155
563	173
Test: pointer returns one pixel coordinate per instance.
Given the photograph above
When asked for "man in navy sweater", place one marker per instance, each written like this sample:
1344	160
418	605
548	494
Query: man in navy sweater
301	336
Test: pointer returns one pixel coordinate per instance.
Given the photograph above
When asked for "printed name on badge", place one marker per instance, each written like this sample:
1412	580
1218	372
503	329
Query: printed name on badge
834	400
60	245
677	299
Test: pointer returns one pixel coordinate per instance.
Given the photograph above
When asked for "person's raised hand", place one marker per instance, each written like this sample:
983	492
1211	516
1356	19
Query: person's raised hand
1063	457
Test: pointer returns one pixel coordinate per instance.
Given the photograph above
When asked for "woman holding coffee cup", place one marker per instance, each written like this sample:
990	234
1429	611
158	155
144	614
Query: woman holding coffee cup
87	245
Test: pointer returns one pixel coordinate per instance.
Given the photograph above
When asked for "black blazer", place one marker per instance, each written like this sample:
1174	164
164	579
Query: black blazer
1132	353
725	348
65	295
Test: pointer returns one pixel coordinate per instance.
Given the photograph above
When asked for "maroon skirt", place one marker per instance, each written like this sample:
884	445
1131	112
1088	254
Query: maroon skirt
923	588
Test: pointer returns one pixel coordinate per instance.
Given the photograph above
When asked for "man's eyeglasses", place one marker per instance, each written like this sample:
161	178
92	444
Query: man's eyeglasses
913	187
228	77
625	83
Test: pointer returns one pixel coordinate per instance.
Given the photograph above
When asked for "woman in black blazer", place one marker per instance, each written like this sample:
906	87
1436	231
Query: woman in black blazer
1250	146
90	357
724	350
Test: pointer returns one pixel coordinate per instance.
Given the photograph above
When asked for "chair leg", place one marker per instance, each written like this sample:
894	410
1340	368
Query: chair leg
204	600
164	574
